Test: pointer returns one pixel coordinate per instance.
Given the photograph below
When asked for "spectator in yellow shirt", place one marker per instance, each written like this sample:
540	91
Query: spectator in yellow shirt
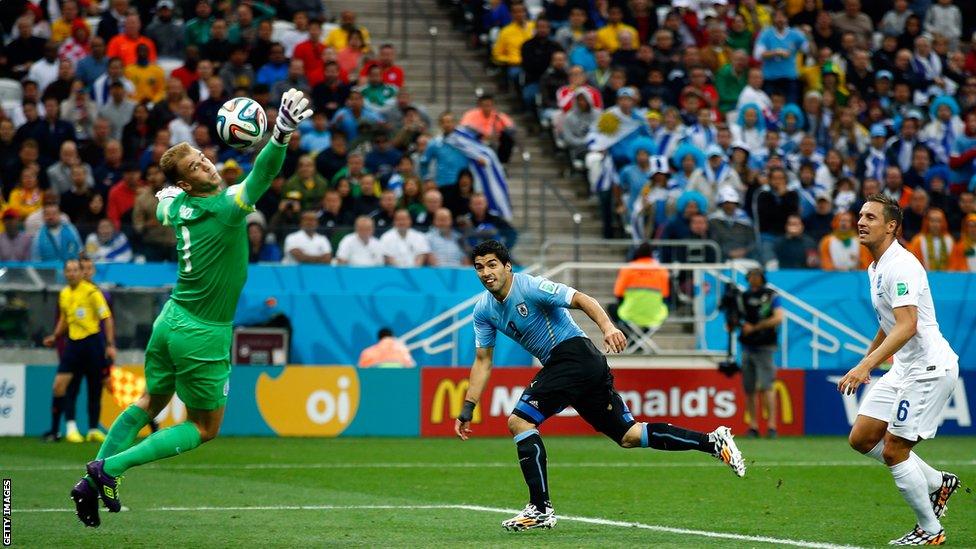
756	15
507	50
148	78
608	38
61	27
26	198
337	38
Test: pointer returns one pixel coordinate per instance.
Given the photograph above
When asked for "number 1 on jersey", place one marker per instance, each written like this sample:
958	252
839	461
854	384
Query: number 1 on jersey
185	233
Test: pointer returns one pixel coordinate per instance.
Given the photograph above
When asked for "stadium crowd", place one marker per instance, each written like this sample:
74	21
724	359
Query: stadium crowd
760	125
93	93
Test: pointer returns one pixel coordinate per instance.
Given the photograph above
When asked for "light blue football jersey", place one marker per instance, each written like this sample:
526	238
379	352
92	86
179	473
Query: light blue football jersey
534	315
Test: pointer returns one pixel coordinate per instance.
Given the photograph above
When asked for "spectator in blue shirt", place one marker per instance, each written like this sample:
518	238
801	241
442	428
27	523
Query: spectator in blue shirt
315	133
777	48
94	64
584	53
57	240
383	159
354	116
448	160
276	69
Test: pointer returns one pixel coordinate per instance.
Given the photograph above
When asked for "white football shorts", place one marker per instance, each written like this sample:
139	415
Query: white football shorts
912	407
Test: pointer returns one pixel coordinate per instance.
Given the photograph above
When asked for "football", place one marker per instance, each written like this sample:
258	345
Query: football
241	122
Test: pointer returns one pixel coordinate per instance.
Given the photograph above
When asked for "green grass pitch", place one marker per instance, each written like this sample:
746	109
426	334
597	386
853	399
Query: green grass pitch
380	492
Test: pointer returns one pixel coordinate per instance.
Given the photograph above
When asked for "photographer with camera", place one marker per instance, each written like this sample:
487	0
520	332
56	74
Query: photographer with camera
757	313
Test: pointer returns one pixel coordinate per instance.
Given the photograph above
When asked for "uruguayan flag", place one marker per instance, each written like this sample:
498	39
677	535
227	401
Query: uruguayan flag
490	176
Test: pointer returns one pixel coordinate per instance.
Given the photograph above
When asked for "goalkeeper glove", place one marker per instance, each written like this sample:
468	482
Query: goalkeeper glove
294	109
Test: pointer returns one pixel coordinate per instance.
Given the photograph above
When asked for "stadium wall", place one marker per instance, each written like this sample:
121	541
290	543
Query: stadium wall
335	312
330	401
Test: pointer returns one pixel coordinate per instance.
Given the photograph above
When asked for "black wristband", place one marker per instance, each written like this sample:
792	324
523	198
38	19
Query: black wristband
467	411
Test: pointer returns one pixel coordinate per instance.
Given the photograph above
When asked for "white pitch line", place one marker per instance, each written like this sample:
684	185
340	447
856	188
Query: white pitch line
479	508
475	465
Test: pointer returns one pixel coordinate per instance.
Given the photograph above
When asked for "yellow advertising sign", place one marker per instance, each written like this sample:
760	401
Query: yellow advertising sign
309	400
450	394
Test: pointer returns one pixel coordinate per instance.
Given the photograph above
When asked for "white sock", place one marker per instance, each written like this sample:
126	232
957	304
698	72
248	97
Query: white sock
877	452
911	483
70	426
933	478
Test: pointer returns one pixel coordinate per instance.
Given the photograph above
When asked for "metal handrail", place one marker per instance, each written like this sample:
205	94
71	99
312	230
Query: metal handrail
620	242
576	216
412	9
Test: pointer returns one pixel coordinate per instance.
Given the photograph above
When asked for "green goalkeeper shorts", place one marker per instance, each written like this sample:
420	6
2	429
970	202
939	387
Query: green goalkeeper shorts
190	357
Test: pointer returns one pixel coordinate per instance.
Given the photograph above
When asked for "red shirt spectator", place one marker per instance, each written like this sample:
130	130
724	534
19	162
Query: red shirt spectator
122	195
392	74
310	51
577	80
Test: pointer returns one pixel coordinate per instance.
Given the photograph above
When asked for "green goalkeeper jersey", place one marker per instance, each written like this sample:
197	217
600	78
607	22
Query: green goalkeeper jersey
211	240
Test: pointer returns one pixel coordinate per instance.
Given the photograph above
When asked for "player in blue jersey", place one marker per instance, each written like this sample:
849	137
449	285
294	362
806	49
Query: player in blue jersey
534	312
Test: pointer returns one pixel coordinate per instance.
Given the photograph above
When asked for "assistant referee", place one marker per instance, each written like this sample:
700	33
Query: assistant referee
82	309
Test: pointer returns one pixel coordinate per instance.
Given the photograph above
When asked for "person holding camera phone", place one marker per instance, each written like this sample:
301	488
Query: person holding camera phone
758	315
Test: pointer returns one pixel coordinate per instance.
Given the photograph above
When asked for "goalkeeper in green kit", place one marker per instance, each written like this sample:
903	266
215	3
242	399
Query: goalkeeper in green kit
189	350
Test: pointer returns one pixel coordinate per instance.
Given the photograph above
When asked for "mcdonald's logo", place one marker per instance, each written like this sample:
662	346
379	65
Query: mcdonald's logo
450	394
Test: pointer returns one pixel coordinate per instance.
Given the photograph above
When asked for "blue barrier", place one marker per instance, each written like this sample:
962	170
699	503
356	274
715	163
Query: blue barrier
335	312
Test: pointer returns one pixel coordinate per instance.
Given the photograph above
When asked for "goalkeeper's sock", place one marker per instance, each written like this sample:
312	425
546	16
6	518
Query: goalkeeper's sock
911	483
933	478
532	459
160	445
664	436
123	431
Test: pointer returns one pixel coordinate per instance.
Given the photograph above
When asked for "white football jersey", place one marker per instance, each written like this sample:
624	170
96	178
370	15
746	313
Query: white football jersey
897	280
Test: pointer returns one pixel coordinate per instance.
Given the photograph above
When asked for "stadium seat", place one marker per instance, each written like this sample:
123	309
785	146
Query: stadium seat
10	90
642	313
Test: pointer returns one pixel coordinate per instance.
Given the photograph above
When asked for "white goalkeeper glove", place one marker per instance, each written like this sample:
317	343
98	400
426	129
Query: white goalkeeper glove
171	191
294	109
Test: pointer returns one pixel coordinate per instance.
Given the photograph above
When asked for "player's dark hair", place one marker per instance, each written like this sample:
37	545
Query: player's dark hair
892	211
71	260
384	332
491	247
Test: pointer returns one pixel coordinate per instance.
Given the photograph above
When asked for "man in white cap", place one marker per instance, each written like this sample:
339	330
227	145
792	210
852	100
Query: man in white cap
716	175
730	227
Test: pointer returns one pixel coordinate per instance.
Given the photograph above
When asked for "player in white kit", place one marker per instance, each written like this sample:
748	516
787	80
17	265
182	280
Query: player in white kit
905	406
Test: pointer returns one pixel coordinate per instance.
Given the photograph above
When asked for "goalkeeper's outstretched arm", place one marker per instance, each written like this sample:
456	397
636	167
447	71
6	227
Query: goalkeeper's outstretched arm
294	109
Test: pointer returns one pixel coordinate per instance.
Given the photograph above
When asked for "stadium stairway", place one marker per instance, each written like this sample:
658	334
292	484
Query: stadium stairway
544	165
529	195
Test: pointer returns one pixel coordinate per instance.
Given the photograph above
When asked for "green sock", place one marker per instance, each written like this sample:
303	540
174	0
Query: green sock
159	445
123	432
